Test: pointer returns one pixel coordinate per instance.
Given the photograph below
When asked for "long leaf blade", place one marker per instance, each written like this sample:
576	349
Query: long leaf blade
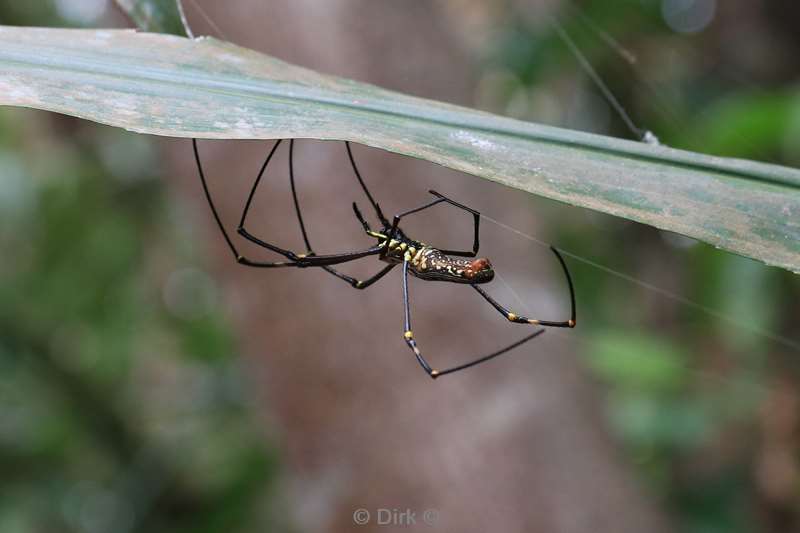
166	85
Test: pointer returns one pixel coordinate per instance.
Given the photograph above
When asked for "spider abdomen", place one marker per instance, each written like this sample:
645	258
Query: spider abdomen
432	264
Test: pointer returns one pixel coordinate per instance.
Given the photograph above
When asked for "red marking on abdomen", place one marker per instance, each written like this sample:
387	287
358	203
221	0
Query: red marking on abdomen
480	264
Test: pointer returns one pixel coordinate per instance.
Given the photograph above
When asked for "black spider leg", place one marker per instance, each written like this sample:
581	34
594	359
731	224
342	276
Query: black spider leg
310	256
476	244
302	260
375	204
295	260
355	283
525	320
365	224
408	335
439	199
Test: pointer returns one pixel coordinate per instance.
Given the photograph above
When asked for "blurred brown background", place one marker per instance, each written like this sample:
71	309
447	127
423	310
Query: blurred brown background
218	397
366	428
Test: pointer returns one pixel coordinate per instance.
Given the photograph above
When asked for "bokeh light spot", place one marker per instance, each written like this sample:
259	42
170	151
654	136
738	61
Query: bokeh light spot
688	16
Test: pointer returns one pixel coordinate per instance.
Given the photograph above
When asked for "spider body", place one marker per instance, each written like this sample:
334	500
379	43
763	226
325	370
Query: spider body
433	265
394	248
429	263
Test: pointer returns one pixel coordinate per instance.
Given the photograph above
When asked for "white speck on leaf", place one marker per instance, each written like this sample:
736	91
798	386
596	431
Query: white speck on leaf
127	112
243	128
100	38
474	140
230	58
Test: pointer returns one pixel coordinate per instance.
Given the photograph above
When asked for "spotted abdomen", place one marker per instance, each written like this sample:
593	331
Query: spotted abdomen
432	264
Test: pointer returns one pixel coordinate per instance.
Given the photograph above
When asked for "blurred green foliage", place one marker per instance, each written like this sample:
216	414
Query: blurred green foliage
693	389
122	407
121	404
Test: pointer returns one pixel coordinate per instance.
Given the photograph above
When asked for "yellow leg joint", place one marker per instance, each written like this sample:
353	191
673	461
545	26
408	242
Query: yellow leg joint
511	316
408	335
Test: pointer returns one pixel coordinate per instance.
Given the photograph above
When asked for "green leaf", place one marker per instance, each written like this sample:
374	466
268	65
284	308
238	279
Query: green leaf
166	85
161	16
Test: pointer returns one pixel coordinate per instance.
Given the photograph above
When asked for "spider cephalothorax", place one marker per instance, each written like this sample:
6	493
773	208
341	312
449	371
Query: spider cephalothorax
395	248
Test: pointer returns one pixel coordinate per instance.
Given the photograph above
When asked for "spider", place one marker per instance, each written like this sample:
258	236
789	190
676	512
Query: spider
395	248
